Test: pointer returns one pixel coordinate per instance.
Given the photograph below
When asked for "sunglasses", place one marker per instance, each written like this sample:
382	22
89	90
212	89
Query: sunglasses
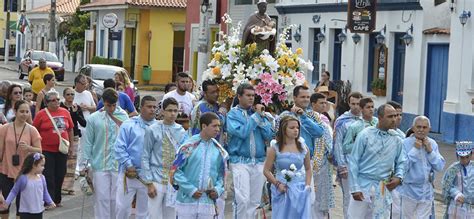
54	100
71	94
17	93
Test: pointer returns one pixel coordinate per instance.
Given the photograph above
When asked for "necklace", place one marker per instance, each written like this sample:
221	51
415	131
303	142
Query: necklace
319	144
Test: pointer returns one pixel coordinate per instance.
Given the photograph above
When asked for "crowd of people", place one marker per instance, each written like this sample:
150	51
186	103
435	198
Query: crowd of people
179	156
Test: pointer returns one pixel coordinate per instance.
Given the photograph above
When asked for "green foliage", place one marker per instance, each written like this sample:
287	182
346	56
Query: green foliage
378	84
105	61
73	30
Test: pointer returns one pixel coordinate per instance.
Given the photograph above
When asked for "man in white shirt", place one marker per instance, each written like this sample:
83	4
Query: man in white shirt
84	99
185	99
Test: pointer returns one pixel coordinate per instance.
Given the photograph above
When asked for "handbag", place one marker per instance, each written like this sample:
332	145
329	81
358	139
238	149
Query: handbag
63	143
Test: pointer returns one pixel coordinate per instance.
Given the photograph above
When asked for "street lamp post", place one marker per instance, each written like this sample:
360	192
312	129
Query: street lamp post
203	39
52	27
7	32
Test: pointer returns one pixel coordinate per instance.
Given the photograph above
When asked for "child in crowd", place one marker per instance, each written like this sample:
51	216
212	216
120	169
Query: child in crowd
31	185
28	96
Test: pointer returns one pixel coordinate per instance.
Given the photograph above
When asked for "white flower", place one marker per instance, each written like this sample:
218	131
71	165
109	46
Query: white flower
293	167
207	74
226	71
240	68
233	55
287	81
273	65
284	172
298	174
290	174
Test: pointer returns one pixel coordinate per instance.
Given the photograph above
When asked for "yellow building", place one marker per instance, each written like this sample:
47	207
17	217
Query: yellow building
3	20
148	32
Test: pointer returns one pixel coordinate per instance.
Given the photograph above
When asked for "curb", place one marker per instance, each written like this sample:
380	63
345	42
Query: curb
7	68
151	88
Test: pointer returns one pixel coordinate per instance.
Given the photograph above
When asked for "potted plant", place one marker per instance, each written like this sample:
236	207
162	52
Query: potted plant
378	87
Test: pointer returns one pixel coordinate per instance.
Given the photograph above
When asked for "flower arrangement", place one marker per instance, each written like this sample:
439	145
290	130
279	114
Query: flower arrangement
290	173
273	75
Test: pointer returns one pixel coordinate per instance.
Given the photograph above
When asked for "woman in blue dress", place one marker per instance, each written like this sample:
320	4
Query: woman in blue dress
289	157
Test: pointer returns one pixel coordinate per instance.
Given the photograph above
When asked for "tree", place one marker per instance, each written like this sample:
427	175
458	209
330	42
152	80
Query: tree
73	30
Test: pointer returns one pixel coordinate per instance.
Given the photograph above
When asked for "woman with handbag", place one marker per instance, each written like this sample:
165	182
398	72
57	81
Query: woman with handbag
17	140
55	126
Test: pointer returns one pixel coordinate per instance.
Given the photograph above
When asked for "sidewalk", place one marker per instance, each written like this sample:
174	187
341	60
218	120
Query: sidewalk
68	76
12	65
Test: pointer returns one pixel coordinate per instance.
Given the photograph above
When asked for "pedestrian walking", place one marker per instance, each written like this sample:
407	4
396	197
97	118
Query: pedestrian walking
30	185
14	94
128	153
17	140
55	126
162	141
324	197
458	184
291	185
84	99
49	82
36	75
99	139
199	171
78	120
248	128
341	126
423	158
377	166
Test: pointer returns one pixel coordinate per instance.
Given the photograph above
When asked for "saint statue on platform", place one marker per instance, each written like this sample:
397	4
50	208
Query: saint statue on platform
260	29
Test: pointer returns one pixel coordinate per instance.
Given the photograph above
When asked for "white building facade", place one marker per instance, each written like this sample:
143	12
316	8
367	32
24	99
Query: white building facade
432	75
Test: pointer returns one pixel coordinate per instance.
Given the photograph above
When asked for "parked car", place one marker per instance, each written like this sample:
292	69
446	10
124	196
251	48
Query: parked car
31	58
99	73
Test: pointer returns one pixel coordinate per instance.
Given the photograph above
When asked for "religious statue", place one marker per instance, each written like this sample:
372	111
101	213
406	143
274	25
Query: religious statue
260	29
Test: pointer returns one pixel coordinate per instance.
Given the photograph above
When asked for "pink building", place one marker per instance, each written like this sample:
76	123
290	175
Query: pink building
218	8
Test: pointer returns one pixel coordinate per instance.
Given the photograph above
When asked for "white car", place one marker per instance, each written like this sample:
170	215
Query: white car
99	73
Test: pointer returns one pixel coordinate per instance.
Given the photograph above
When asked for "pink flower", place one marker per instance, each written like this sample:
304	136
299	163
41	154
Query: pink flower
299	76
266	98
266	77
282	97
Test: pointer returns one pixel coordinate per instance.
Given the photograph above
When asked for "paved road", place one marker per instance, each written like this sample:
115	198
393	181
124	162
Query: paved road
8	72
80	206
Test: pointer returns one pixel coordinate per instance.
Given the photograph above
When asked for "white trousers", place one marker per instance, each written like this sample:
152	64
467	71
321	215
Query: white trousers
396	205
412	209
315	204
458	212
157	207
359	209
317	214
124	198
104	196
407	208
248	186
80	163
346	194
194	216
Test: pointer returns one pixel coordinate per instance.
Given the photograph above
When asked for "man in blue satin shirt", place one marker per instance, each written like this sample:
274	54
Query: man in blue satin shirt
128	152
377	166
248	128
423	157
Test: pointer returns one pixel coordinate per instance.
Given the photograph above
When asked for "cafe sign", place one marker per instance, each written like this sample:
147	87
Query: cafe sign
361	15
110	20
